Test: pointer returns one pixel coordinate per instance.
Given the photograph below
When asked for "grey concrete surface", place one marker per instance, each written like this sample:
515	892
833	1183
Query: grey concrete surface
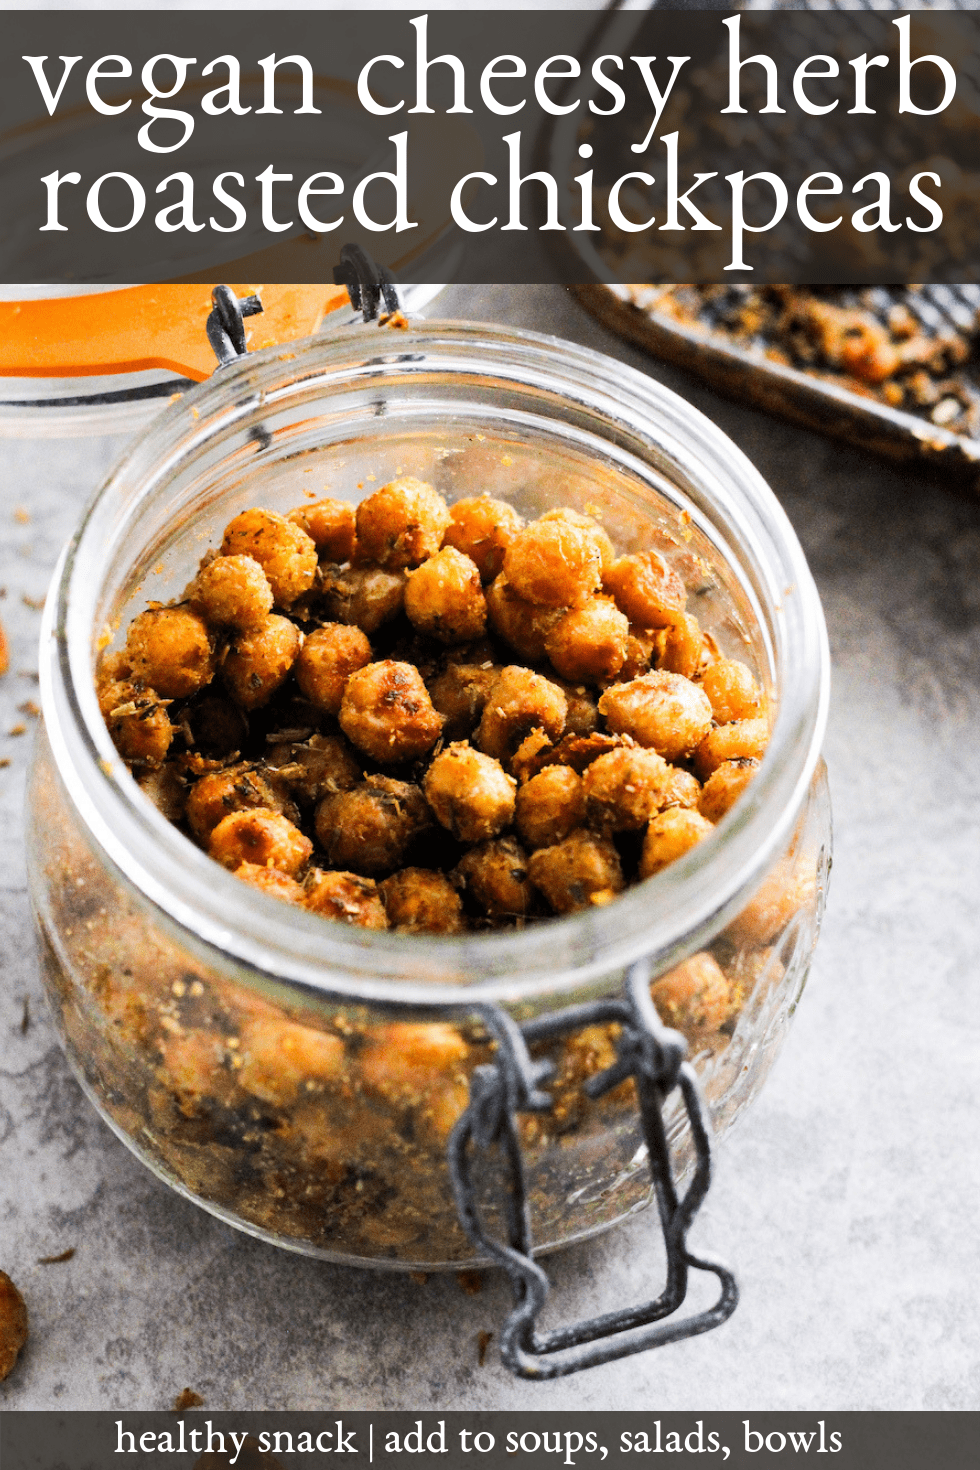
846	1197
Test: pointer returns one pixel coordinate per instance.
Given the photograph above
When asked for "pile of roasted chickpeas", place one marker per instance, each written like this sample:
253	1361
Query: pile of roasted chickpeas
426	717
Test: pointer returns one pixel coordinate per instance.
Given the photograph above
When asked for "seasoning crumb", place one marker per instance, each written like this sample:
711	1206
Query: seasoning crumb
36	604
419	1277
483	1341
470	1281
13	1324
186	1399
22	516
4	762
30	709
57	1260
19	729
25	1017
4	652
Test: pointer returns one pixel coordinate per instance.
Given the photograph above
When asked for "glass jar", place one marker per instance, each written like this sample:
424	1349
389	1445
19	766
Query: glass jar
297	1077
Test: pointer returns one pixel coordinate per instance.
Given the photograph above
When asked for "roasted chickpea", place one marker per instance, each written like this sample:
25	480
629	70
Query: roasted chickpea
591	527
459	694
695	997
724	786
534	753
233	592
329	525
781	895
664	711
518	703
553	564
521	624
642	648
589	642
420	901
370	828
669	836
732	691
285	552
483	528
494	876
580	871
170	649
316	767
271	881
549	806
238	788
625	788
740	740
401	524
582	717
648	591
470	793
406	1059
259	661
329	656
138	722
682	650
386	711
265	838
280	1060
685	790
345	897
364	597
444	598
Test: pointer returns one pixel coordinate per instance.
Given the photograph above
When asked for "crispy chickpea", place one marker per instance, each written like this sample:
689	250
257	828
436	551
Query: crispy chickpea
534	753
683	647
271	881
647	590
345	897
285	552
625	788
669	836
494	875
238	788
695	996
589	642
470	793
370	828
401	524
170	650
281	1060
329	525
581	871
386	711
685	790
444	598
521	624
265	838
732	691
550	806
591	527
459	694
138	722
724	787
420	901
641	650
259	661
780	895
483	528
315	768
326	661
363	597
233	592
13	1325
553	564
519	702
740	740
405	1059
664	711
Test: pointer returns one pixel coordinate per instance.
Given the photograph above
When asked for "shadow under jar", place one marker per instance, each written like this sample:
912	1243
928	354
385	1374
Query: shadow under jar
299	1077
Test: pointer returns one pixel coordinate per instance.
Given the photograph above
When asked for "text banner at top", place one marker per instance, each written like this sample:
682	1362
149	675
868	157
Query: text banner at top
491	147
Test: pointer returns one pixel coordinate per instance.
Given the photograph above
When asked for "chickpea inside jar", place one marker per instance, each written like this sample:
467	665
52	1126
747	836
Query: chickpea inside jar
370	720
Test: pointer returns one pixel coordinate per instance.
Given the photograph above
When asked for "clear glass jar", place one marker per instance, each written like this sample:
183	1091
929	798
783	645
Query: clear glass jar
171	978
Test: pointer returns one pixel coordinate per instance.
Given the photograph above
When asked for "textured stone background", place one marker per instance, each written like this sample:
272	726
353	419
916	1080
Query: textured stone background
846	1197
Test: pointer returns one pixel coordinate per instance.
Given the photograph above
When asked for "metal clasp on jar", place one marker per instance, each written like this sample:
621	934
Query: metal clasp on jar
653	1055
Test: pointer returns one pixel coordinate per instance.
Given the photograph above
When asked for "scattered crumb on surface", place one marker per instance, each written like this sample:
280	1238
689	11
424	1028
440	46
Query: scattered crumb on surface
4	652
29	708
419	1277
57	1260
25	1017
19	729
36	604
470	1281
483	1340
186	1399
22	516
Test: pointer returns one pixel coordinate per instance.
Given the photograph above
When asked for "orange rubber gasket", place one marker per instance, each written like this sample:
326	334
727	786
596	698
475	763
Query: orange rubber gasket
143	327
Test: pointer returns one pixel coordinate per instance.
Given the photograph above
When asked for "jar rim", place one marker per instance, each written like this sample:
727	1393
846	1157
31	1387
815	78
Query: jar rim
664	918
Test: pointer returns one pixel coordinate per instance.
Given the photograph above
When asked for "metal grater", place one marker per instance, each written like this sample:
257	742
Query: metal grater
743	369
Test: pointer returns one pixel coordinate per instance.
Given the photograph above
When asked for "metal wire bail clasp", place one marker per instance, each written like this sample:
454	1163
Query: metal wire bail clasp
653	1055
225	325
368	284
